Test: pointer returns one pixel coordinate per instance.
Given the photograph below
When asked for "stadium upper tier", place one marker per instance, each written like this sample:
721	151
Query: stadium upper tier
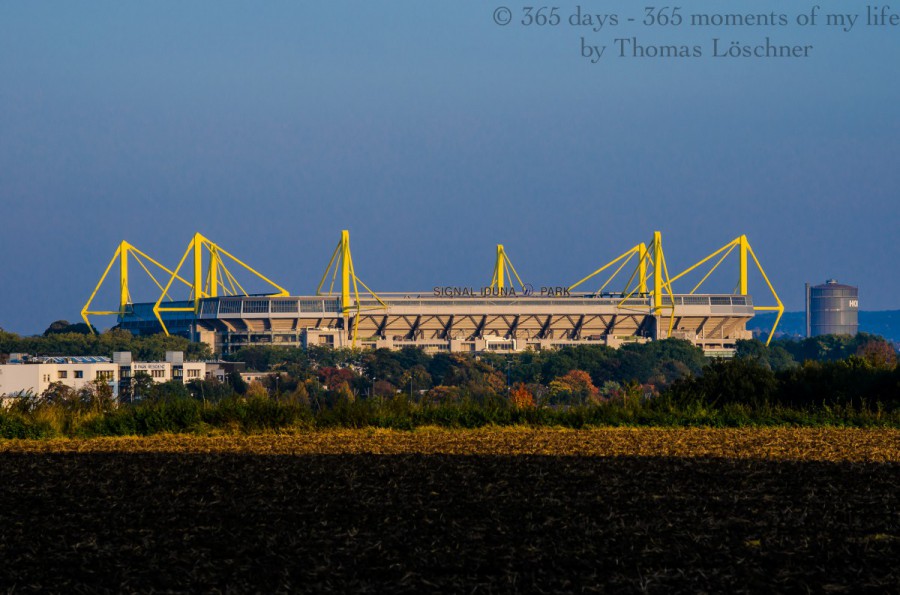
507	315
713	322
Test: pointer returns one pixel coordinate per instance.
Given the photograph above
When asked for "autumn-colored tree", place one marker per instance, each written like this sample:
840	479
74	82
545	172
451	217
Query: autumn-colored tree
878	353
255	390
520	397
342	394
332	377
574	387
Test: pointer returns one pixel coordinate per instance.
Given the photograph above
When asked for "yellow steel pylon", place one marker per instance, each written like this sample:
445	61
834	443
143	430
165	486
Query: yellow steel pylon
503	266
217	278
744	249
342	259
123	251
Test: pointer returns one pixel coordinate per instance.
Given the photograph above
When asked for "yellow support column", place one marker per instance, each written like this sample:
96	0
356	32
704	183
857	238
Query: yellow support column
642	269
123	276
345	271
197	246
213	272
657	272
743	266
498	271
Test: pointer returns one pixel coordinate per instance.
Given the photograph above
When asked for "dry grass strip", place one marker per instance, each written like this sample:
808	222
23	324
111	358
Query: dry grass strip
780	444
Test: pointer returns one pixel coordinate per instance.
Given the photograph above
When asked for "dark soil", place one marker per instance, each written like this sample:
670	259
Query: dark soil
155	522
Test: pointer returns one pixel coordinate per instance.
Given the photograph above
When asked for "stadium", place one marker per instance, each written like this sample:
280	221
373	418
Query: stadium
505	316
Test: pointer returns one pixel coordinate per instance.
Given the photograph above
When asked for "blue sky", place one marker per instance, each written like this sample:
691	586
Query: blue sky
432	134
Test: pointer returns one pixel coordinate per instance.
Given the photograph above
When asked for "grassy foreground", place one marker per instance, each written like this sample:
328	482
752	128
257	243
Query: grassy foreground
40	419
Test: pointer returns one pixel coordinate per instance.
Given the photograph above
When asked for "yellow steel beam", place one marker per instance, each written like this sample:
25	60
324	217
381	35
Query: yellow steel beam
342	260
743	264
727	246
123	277
136	253
197	245
157	309
657	272
780	307
625	255
668	282
713	268
123	251
85	311
497	279
334	255
503	266
642	268
345	271
743	286
617	271
213	271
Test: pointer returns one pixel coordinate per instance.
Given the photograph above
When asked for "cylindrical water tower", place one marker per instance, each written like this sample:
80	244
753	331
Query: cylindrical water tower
832	309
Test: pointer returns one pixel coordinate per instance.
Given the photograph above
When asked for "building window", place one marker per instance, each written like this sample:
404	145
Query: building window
193	373
79	374
158	373
104	375
62	374
46	377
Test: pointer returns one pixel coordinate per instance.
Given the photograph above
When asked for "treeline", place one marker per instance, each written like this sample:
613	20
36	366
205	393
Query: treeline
736	393
784	354
604	372
848	381
64	342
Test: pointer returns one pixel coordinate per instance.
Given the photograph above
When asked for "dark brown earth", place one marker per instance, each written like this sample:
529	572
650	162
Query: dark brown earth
237	522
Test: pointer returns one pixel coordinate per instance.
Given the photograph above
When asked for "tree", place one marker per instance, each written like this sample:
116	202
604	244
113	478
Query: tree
341	394
298	396
237	382
140	387
60	394
775	357
520	397
878	353
443	394
743	381
96	396
256	391
383	388
171	390
64	326
574	387
209	390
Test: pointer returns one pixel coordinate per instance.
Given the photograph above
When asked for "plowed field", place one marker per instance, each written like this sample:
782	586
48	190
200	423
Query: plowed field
455	511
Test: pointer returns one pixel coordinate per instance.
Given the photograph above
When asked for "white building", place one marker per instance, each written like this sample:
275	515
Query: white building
34	375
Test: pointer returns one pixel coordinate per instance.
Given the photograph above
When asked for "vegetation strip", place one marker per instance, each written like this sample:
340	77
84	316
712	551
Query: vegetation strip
802	444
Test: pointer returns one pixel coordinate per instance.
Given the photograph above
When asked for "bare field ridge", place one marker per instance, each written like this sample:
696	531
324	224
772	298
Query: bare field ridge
802	444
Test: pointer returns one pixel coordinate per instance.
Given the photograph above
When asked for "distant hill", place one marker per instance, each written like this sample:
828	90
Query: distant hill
877	322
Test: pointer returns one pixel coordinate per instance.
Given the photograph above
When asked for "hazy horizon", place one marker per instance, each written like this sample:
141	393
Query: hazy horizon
432	134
